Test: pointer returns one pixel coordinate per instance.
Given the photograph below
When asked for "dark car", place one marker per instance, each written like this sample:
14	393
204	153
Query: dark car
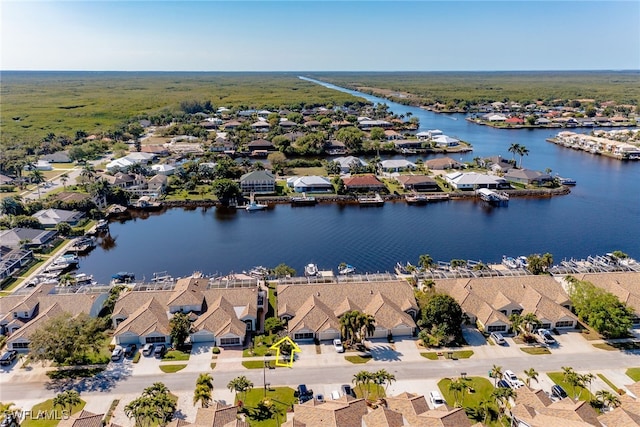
503	384
347	390
147	349
159	350
557	391
303	393
8	357
130	350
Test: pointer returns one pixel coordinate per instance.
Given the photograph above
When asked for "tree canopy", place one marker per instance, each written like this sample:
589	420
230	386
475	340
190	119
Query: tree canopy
180	328
442	311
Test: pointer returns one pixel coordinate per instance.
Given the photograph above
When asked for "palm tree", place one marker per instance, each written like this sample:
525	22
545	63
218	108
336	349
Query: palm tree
363	378
502	396
522	151
458	387
531	322
608	399
88	173
513	149
367	326
140	410
587	379
572	378
383	377
240	384
37	177
516	322
531	374
496	373
67	399
203	390
64	178
425	261
547	260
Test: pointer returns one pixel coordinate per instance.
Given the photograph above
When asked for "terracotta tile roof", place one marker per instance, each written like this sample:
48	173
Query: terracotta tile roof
408	404
532	398
82	419
150	317
220	318
368	181
334	413
619	417
383	417
188	291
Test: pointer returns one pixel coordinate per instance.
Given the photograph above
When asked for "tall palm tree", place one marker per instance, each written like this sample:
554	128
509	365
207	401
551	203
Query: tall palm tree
363	379
458	387
37	177
425	261
204	390
516	322
367	325
531	374
572	378
64	178
522	151
382	377
88	173
531	322
67	400
547	260
514	148
502	396
240	384
608	399
587	379
496	373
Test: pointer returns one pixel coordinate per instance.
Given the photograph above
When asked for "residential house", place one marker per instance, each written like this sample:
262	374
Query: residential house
231	125
310	184
446	141
474	180
442	163
260	126
313	310
258	182
155	149
565	412
343	412
397	165
49	218
498	165
363	183
488	302
496	118
415	410
313	124
407	144
392	135
215	415
366	123
286	124
164	169
346	163
156	185
628	413
85	419
57	157
41	165
131	159
13	260
527	177
515	120
418	183
29	238
260	144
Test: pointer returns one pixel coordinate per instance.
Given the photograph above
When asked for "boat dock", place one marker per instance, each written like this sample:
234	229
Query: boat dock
493	197
377	200
303	200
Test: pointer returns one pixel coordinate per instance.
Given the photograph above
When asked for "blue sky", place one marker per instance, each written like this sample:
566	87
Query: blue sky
319	35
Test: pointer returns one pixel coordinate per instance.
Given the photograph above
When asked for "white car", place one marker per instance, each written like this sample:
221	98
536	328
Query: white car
546	337
337	344
436	399
497	338
512	379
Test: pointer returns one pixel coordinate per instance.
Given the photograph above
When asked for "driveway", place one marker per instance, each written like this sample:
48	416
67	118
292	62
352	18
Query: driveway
201	358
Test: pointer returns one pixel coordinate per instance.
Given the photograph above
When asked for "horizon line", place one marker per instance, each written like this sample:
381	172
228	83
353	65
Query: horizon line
320	71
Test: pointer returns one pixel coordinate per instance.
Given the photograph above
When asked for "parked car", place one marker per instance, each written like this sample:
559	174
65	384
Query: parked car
436	399
159	350
503	384
130	350
8	357
320	398
546	337
558	392
303	393
147	350
512	379
347	390
497	338
337	344
117	353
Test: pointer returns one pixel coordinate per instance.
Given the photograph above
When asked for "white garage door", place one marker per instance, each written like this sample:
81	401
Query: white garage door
328	335
202	337
380	333
402	331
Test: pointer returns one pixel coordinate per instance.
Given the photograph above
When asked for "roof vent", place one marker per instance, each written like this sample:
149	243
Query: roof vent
318	294
371	291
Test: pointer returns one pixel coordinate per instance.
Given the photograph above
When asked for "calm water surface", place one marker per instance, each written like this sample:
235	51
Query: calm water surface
601	214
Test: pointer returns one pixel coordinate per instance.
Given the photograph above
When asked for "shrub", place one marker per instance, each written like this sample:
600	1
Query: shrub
216	350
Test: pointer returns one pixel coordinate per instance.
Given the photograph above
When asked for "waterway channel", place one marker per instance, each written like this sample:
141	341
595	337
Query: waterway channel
601	214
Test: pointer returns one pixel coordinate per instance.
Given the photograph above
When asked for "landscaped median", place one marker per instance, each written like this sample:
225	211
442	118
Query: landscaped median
172	368
453	355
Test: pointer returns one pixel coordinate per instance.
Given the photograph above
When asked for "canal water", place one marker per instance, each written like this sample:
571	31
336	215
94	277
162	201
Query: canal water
601	214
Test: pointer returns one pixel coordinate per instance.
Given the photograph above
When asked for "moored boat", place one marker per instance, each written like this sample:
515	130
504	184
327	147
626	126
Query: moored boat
509	262
416	199
311	270
253	206
346	269
123	277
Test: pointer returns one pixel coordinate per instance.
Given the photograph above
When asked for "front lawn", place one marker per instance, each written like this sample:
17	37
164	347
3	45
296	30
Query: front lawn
74	373
281	397
357	359
47	408
432	355
176	355
633	373
170	369
482	389
373	391
583	393
535	350
258	364
261	344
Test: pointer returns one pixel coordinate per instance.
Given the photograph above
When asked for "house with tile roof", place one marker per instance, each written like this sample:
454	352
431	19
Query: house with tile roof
83	419
314	310
220	315
628	413
363	183
530	411
258	182
52	217
488	302
442	163
418	183
215	415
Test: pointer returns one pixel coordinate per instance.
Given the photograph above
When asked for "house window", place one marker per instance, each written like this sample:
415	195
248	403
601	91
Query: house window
153	340
636	320
516	311
564	324
503	312
230	341
17	345
304	336
546	326
497	328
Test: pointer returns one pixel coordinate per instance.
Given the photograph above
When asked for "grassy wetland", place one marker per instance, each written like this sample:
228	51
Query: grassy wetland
35	104
426	88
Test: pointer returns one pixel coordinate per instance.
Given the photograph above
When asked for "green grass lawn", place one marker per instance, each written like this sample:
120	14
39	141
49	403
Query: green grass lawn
462	354
176	355
47	407
74	373
432	355
357	359
282	397
261	344
373	392
558	378
258	364
633	373
624	346
482	390
317	170
170	369
535	350
609	383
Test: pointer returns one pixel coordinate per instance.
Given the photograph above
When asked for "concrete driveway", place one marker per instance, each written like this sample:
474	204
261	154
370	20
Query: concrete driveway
201	358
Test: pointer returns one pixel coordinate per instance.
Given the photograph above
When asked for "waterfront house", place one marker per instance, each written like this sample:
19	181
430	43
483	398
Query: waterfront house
363	183
408	144
445	141
527	177
392	135
258	182
313	310
260	144
346	163
49	218
310	184
397	165
515	120
474	180
442	163
125	181
13	260
496	118
418	183
29	238
367	123
156	185
164	169
488	302
498	165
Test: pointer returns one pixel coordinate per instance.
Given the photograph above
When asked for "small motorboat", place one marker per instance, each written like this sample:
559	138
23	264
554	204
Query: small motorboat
253	206
311	270
346	269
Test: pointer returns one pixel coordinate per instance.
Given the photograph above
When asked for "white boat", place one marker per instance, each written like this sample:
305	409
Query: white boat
509	262
565	181
311	270
67	259
346	269
83	279
522	261
253	206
